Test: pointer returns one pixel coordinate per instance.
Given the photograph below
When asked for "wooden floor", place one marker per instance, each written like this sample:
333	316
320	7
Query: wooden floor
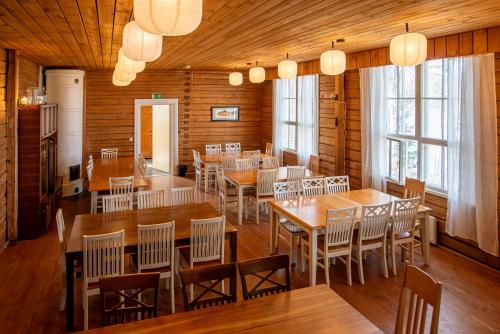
30	281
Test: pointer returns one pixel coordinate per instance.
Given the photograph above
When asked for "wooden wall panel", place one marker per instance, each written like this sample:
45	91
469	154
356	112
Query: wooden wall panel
109	114
3	147
28	75
266	118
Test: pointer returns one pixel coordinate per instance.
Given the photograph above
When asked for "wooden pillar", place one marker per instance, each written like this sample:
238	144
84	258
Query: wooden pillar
12	97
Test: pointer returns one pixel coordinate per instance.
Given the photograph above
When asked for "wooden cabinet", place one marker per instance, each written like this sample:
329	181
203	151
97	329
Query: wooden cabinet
37	171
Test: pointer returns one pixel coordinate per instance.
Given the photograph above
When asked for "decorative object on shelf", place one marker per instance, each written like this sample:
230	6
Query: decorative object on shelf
229	113
139	45
287	69
129	65
168	17
235	78
257	74
409	49
333	62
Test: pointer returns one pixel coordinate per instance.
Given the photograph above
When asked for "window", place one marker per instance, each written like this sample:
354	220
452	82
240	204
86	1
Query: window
289	133
417	122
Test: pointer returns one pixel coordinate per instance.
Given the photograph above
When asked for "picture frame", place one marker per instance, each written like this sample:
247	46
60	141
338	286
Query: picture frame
225	113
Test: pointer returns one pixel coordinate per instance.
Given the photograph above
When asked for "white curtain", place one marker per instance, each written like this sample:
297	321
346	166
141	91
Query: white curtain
307	118
278	107
472	151
374	145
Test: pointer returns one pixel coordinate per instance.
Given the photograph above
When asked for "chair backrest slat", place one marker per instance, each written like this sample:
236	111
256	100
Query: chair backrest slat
269	148
336	184
415	188
270	163
314	163
404	216
265	181
212	149
244	164
121	185
116	203
233	147
313	186
339	227
207	239
374	221
155	245
149	199
286	190
295	173
109	153
182	196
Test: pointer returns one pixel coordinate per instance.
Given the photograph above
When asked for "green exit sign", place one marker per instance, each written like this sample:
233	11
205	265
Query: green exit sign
156	95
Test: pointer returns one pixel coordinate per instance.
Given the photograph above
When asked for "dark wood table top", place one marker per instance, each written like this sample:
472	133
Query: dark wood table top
310	310
115	167
99	223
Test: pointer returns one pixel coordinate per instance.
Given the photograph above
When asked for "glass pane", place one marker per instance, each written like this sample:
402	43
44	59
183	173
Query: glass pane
434	164
392	105
394	149
293	110
285	135
432	79
411	158
391	73
434	118
408	81
407	126
292	137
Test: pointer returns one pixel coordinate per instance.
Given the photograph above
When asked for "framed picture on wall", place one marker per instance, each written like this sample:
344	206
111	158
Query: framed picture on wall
226	114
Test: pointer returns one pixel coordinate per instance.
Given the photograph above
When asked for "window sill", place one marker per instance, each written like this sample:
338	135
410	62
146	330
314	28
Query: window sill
427	190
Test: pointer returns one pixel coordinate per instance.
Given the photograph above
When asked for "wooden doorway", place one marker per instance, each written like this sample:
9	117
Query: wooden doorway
147	131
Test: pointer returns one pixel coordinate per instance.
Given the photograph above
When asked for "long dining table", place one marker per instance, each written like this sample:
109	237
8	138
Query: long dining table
313	310
309	213
92	224
247	179
114	167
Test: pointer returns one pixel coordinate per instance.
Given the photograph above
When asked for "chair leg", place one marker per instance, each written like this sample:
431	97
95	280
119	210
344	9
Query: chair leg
359	257
303	256
384	259
257	212
326	261
393	255
276	235
412	258
86	312
292	248
172	293
349	274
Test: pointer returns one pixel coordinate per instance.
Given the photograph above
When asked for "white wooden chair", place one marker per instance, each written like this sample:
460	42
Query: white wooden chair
244	164
371	234
155	253
149	199
288	190
336	242
228	162
295	173
336	184
269	148
314	163
252	153
200	171
142	164
213	149
270	163
109	153
103	255
264	191
122	186
182	196
415	188
62	256
402	229
313	186
225	199
233	147
116	203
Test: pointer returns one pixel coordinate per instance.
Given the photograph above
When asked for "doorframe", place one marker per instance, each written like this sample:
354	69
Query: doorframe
174	116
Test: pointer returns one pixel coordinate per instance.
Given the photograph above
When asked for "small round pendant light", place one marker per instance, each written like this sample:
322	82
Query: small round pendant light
129	65
235	78
119	83
257	74
287	69
332	62
139	45
168	17
122	75
408	49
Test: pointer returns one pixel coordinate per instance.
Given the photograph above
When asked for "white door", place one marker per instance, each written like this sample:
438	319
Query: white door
161	138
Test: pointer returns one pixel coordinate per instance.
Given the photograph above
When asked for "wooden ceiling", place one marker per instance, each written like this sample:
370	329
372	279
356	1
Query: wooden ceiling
87	33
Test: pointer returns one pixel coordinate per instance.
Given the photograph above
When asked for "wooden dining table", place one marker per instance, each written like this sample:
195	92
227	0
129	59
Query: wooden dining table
247	179
213	160
312	310
114	167
309	213
92	224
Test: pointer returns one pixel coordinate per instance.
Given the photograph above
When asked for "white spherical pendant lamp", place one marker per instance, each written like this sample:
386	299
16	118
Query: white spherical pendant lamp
119	83
168	17
333	62
287	69
257	74
235	78
122	75
129	65
139	45
408	49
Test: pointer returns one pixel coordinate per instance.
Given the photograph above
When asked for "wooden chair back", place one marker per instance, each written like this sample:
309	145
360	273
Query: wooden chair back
116	203
220	179
404	216
415	188
270	163
374	221
233	147
313	186
269	148
182	196
121	300
142	164
103	255
336	184
206	279
265	181
264	268
295	173
212	149
155	245
207	239
109	153
229	162
244	164
149	199
253	153
121	185
418	292
314	163
286	190
339	227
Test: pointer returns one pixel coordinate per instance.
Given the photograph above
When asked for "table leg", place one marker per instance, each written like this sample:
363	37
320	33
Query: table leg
233	246
206	178
424	239
272	231
69	294
240	205
313	256
93	202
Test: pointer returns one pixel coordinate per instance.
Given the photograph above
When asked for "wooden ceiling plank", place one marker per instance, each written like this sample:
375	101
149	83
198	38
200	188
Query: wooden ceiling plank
88	13
123	11
12	39
106	17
